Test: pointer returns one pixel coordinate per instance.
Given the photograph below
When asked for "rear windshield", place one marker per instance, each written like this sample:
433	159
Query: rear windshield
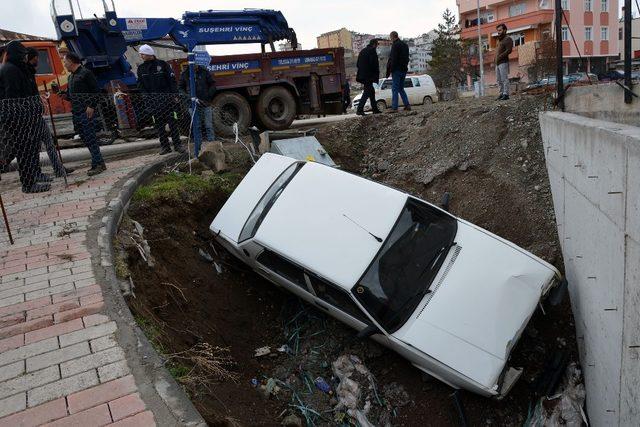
267	201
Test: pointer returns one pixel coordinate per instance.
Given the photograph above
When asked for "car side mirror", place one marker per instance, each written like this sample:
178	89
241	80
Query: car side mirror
368	332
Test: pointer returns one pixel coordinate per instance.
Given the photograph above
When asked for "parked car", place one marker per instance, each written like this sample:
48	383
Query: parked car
611	75
447	295
547	82
582	78
420	90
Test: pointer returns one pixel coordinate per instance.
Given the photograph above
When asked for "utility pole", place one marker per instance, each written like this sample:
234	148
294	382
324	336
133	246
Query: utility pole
627	51
559	70
480	56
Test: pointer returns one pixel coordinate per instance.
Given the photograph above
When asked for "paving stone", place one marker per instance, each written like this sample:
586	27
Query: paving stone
13	404
38	415
94	319
53	331
143	419
112	371
28	351
126	406
87	333
63	387
101	394
29	381
102	343
91	361
78	312
12	370
58	356
98	416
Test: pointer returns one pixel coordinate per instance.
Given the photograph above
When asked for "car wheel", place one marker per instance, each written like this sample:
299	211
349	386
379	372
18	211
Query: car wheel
381	105
276	108
427	100
230	108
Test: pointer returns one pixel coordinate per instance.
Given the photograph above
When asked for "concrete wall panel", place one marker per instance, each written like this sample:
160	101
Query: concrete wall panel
594	171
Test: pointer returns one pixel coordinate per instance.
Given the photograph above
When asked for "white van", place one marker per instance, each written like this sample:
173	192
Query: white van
420	90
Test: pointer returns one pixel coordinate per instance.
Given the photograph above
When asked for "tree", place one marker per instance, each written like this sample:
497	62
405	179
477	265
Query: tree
446	65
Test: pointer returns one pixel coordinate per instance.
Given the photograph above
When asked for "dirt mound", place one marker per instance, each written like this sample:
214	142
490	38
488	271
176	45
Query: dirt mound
488	155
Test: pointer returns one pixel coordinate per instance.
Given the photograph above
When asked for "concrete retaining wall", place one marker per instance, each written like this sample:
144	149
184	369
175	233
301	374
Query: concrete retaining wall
603	102
594	170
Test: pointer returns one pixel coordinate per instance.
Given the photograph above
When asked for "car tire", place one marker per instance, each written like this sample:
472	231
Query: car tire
427	100
276	108
381	104
230	108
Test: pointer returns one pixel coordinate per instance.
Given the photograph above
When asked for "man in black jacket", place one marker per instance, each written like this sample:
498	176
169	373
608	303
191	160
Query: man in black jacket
20	110
43	129
397	67
156	78
368	74
205	89
83	93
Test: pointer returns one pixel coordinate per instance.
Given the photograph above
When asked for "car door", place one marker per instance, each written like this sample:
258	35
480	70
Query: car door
415	90
281	271
385	92
337	302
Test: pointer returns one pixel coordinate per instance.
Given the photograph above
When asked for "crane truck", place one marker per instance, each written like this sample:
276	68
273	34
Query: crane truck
267	89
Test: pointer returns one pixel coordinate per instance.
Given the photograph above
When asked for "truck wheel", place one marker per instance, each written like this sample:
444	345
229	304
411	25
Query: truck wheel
276	108
230	108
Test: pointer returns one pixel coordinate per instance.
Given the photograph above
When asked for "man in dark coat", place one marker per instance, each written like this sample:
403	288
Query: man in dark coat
397	68
205	89
368	74
83	92
156	78
43	129
20	110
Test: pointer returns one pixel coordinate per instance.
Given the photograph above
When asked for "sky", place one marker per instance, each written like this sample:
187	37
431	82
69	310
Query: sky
309	18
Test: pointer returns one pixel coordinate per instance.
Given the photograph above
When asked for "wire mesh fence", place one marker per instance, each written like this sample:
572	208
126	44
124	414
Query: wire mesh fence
31	136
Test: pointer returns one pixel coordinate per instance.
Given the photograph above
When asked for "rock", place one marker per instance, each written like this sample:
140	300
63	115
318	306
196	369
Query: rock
537	188
383	165
213	156
292	421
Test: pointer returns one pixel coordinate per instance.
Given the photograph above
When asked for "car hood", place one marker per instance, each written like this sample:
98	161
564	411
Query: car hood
233	215
480	302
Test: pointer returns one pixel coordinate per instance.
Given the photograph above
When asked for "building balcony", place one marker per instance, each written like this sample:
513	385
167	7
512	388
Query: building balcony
514	24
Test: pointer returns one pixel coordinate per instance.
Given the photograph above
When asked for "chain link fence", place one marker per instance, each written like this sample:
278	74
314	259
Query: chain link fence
31	136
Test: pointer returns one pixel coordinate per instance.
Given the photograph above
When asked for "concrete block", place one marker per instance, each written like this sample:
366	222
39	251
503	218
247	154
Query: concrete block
633	194
87	334
13	404
29	381
630	387
11	371
102	343
58	356
28	351
113	371
91	361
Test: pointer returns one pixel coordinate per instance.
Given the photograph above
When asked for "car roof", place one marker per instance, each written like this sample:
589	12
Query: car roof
323	218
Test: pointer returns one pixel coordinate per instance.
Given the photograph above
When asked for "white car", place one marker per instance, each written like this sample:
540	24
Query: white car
420	90
447	295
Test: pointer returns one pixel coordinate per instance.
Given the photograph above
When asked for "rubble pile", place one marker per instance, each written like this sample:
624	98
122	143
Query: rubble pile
487	154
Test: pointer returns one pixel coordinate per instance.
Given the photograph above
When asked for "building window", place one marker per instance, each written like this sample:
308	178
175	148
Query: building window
565	4
565	33
620	33
604	5
587	5
588	33
604	33
518	39
517	9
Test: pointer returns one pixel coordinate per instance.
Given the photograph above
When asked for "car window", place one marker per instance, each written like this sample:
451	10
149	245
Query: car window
266	202
44	65
408	83
282	267
337	298
416	82
386	85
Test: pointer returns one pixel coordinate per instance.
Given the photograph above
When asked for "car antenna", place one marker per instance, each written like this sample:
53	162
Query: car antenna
372	235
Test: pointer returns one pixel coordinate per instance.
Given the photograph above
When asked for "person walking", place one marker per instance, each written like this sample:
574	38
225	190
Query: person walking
368	74
83	94
20	110
205	90
397	68
43	130
156	78
505	46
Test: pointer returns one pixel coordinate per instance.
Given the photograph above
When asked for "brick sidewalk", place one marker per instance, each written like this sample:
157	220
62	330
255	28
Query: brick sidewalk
59	361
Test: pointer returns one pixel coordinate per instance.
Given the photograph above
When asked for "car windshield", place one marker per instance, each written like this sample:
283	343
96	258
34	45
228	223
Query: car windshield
266	202
405	267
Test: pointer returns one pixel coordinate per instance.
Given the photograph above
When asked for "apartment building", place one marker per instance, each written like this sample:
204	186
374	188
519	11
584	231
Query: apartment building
337	38
588	42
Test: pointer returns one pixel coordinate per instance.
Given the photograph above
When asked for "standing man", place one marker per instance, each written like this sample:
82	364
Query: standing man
20	110
83	94
205	90
155	77
44	133
397	67
368	74
505	46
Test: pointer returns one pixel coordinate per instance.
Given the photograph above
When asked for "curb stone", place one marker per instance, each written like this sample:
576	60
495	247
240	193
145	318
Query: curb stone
157	387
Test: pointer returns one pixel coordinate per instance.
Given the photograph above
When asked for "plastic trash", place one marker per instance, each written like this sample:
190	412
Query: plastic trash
255	382
205	256
262	351
322	385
